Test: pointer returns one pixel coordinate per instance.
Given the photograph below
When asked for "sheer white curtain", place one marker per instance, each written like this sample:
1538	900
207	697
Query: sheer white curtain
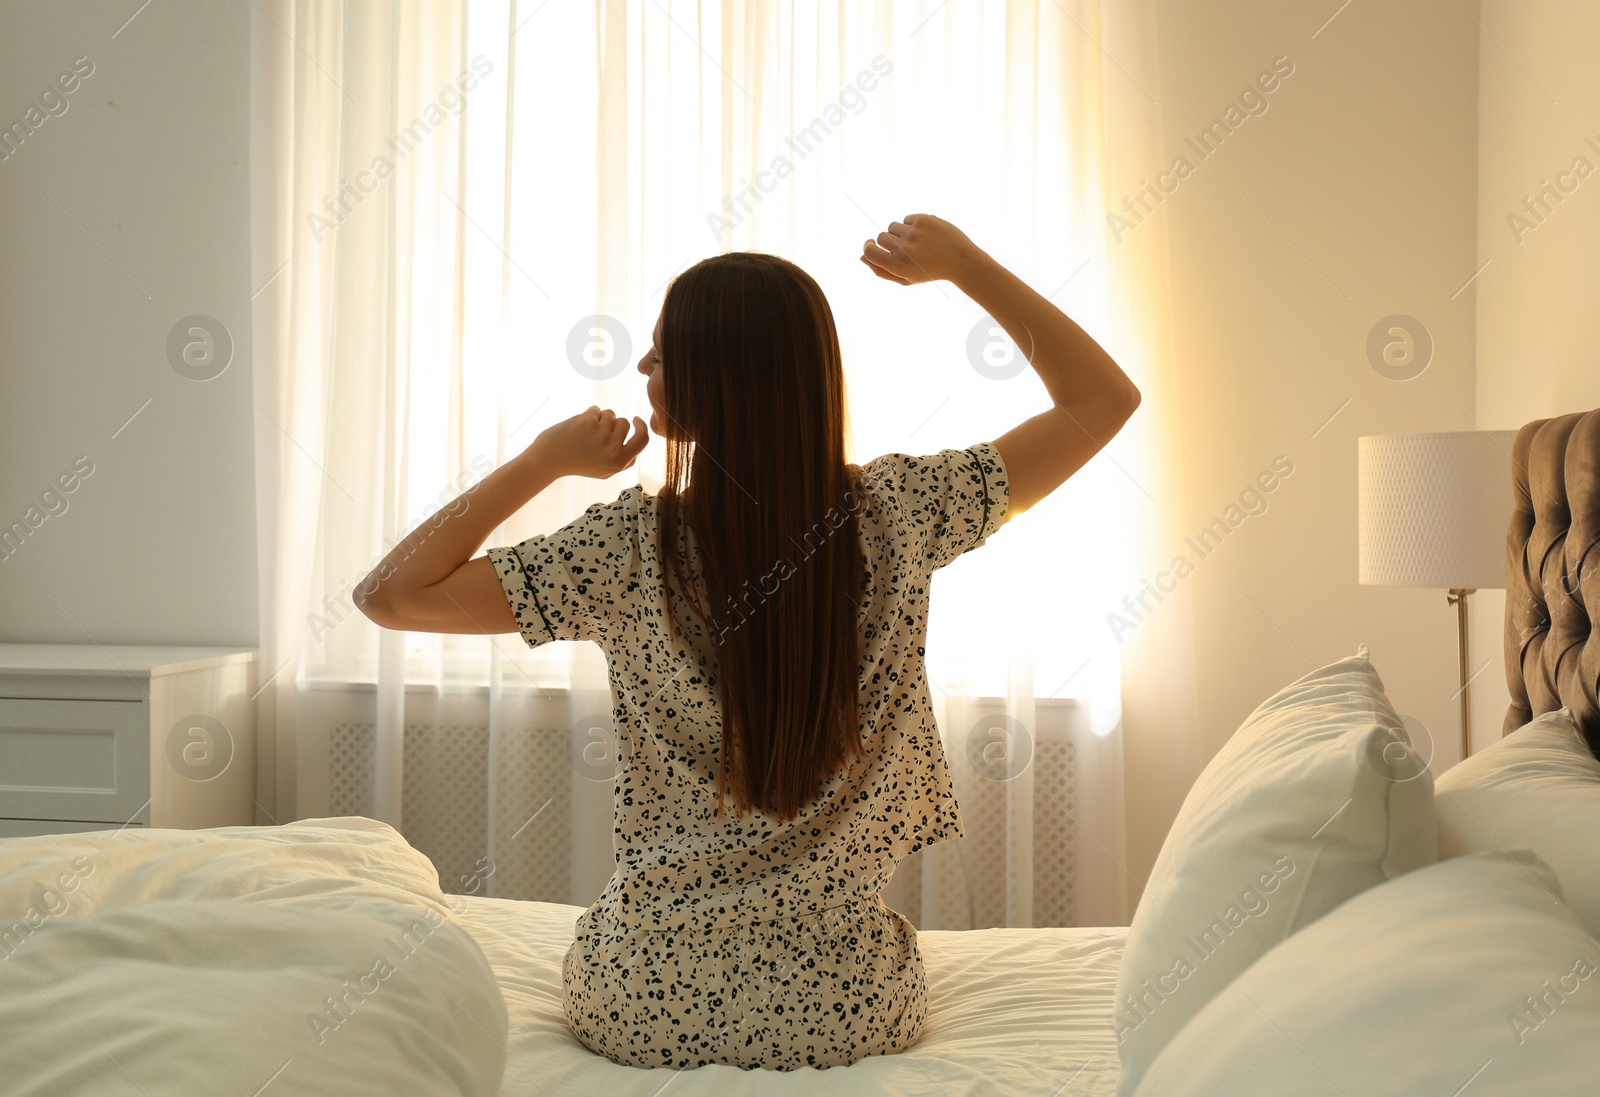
465	220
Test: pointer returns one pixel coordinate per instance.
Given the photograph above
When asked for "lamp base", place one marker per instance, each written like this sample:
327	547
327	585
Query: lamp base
1458	597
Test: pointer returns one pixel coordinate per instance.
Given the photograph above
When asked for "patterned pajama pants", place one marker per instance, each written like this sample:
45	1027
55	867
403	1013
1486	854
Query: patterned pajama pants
819	991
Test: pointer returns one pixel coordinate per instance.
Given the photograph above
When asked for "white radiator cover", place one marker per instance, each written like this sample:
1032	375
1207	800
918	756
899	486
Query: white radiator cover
551	833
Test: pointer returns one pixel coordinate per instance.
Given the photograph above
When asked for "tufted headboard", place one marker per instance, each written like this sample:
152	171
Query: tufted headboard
1552	631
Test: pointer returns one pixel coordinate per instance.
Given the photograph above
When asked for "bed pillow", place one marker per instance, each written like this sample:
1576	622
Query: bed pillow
1316	798
1537	788
1459	978
303	996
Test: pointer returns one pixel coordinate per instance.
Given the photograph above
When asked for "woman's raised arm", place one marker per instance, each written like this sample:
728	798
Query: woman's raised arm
427	583
1091	397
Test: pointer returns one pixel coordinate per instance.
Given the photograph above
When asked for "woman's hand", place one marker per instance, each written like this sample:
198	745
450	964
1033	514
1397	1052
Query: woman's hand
919	249
592	443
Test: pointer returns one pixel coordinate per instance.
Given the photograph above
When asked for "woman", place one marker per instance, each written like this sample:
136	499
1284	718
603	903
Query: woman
764	619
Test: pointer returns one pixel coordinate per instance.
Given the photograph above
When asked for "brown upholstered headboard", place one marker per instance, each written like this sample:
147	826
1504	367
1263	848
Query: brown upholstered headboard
1552	635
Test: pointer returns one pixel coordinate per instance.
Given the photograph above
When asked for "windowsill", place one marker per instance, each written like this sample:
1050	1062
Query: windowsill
367	685
546	672
351	684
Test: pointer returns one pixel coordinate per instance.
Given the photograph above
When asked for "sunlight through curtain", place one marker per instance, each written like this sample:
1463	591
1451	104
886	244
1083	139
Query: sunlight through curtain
474	211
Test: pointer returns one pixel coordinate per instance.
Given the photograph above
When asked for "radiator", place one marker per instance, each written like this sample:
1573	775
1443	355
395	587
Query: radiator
550	837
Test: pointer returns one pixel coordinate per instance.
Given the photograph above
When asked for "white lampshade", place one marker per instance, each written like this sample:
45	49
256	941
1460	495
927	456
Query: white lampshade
1433	509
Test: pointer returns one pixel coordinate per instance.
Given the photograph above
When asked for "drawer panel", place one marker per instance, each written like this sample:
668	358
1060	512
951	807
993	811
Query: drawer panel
86	761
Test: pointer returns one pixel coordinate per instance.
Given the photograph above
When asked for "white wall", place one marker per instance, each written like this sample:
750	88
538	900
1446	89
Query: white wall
118	217
1351	198
1538	327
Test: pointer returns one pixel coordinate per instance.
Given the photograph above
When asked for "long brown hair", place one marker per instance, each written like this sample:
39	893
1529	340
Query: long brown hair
754	392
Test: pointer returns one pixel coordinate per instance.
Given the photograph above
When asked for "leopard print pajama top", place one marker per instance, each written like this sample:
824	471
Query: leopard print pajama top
755	942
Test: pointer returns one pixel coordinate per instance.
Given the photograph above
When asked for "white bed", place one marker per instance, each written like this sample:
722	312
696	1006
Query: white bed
206	961
1010	1012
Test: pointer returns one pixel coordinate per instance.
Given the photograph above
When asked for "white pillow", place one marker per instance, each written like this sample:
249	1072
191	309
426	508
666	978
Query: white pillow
1314	799
300	996
1537	788
1460	978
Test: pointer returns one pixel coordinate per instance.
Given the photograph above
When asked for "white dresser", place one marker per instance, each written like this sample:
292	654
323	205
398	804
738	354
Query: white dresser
99	737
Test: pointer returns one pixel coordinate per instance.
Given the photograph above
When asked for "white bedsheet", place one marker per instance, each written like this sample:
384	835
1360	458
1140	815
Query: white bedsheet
1011	1011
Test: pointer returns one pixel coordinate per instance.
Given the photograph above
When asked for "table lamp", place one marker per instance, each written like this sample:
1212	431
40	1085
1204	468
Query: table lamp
1433	511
